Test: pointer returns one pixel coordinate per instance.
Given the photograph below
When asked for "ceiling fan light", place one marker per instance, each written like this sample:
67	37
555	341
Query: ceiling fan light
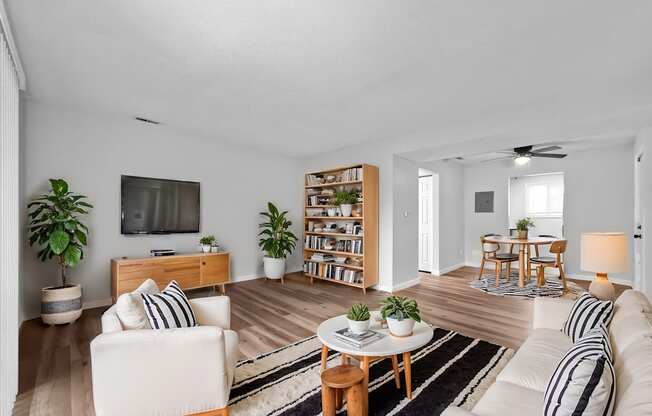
522	160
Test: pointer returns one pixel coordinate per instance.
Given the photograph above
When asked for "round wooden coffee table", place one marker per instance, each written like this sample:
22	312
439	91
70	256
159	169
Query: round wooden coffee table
387	347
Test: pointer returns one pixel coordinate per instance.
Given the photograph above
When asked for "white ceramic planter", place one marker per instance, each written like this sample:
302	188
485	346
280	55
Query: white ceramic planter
400	328
359	327
206	248
346	209
274	268
215	249
61	305
332	212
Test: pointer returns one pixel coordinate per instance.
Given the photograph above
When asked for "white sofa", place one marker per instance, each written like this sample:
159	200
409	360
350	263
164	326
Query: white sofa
520	386
165	372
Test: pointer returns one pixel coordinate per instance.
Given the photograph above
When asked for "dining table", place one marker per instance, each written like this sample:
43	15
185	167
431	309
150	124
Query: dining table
523	250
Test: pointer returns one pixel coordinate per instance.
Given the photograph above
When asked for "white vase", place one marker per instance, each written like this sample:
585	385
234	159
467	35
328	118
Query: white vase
346	209
332	212
359	327
206	248
401	328
274	268
61	305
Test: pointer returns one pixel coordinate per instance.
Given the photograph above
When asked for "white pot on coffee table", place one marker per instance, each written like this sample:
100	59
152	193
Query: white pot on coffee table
386	347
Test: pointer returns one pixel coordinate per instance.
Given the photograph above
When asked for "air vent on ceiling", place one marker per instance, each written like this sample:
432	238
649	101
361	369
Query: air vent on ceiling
146	120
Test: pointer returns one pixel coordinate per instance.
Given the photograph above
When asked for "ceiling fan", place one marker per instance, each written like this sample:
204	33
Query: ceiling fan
523	154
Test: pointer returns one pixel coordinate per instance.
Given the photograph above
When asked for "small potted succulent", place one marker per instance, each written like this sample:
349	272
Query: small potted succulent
345	199
401	313
359	318
206	242
215	248
522	227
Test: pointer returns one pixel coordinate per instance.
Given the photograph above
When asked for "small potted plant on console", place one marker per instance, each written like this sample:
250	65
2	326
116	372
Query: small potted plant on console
359	318
206	242
55	227
401	314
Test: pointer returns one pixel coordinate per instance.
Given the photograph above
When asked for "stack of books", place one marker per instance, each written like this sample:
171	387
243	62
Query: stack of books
353	174
357	340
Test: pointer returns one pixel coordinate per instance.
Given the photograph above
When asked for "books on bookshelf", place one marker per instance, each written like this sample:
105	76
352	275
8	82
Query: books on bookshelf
331	270
357	340
327	243
346	175
350	175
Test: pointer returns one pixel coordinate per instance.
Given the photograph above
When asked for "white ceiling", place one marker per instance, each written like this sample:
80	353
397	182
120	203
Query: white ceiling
305	76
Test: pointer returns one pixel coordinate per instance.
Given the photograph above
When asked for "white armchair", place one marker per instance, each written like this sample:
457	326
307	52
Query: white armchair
166	372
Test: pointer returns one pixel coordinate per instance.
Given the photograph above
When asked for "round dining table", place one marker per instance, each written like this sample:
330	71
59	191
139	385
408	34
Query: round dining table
523	245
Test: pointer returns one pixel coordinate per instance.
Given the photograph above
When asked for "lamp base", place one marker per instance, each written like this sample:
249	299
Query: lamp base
602	288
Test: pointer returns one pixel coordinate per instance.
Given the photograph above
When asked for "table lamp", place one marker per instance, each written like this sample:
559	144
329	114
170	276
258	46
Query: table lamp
604	253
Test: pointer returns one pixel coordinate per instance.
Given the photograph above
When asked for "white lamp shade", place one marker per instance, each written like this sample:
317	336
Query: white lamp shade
604	253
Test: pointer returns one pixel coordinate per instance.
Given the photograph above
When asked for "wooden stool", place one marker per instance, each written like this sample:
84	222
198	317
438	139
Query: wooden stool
336	380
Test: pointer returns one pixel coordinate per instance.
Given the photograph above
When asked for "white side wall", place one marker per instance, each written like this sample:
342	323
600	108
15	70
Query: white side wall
644	144
406	223
92	152
599	196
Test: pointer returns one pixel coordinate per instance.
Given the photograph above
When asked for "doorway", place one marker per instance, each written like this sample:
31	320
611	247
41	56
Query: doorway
428	221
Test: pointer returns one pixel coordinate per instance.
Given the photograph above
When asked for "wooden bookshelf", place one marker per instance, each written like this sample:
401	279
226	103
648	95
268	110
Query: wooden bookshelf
366	262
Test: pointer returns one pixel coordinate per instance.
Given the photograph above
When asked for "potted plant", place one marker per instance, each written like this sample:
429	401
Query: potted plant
215	248
206	242
345	199
522	227
359	318
277	241
401	313
55	227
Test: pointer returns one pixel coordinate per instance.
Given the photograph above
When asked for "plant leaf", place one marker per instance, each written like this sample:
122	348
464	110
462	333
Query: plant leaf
72	255
59	241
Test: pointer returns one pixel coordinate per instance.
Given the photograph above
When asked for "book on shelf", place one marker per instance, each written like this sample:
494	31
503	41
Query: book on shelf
350	175
357	340
332	270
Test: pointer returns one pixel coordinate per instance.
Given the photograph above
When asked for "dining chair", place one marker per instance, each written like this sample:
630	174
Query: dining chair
557	248
536	252
490	252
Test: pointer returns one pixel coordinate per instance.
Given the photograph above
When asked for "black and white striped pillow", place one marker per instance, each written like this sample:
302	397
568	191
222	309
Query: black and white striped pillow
584	382
169	309
587	313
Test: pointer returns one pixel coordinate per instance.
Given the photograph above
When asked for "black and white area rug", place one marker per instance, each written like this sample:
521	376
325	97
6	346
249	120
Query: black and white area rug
451	370
552	288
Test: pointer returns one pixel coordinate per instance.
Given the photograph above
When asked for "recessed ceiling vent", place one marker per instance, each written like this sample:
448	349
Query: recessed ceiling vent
147	121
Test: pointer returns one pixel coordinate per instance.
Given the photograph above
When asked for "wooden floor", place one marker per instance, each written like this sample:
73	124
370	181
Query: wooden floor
55	376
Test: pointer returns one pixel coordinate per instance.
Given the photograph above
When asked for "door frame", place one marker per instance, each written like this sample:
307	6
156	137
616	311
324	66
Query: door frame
639	223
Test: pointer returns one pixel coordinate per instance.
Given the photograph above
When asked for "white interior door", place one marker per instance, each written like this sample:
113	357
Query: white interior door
639	242
425	223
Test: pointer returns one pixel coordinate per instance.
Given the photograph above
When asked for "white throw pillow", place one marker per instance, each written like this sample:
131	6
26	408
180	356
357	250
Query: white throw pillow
130	309
587	313
169	309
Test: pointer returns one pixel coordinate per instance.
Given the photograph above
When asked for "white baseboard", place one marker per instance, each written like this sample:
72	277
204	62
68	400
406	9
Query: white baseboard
247	277
448	269
98	303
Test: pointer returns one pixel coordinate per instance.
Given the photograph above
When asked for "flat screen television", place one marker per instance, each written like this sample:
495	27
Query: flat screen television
159	206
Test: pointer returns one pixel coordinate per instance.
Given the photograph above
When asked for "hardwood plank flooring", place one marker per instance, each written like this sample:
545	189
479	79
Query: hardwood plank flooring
55	374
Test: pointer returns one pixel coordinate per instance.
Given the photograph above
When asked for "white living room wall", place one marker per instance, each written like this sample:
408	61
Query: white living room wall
92	152
599	196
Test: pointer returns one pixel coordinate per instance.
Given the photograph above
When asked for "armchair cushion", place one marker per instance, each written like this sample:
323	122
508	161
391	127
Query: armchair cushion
169	309
129	306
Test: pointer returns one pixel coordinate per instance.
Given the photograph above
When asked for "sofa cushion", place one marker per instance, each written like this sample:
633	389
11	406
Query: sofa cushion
627	327
587	313
634	379
507	399
129	306
584	382
633	300
536	360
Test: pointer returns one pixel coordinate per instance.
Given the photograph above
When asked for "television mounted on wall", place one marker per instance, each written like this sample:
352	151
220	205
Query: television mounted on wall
159	206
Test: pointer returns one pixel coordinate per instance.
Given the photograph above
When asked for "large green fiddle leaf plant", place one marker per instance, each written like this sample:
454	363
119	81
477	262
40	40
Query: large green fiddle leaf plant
276	239
55	227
